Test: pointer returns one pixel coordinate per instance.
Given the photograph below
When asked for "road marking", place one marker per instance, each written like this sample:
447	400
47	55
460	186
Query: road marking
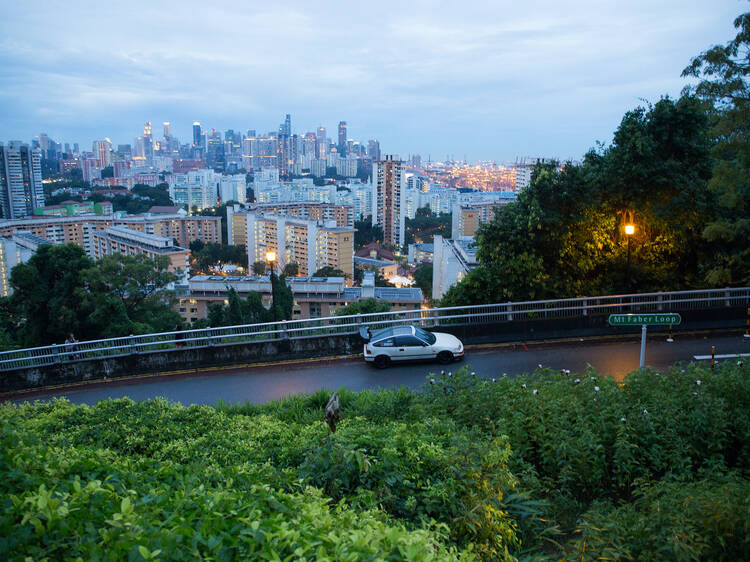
725	356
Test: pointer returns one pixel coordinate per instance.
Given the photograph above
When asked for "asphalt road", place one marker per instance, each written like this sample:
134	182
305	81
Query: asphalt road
262	384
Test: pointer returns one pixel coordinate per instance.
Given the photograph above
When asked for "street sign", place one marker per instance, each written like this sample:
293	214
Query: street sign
662	319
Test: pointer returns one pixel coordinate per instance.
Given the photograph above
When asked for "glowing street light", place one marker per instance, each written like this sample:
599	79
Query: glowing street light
629	231
271	258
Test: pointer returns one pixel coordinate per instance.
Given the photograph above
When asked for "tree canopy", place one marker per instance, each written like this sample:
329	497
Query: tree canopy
61	290
564	236
724	86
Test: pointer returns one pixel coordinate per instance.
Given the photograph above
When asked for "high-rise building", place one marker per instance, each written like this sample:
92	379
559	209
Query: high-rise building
166	129
20	180
389	211
373	150
342	138
310	243
322	148
147	129
102	149
196	134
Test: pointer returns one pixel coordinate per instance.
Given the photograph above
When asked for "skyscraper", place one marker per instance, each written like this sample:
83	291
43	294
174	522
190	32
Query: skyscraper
322	147
196	134
389	211
342	138
373	150
102	149
166	130
147	129
20	180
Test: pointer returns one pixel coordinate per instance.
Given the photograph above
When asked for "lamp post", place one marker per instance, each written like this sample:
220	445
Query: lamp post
629	231
271	258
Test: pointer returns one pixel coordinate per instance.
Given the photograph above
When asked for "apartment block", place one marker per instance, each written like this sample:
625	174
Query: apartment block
388	203
310	243
80	229
122	240
16	249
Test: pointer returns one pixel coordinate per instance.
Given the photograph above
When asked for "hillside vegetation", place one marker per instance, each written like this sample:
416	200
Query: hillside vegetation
549	465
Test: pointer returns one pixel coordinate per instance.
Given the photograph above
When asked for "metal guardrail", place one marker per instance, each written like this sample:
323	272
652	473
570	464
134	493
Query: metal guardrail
429	318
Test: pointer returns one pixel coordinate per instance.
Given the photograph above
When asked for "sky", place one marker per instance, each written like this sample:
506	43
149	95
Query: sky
484	80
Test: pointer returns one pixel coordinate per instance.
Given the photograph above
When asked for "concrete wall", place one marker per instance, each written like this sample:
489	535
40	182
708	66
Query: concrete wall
187	358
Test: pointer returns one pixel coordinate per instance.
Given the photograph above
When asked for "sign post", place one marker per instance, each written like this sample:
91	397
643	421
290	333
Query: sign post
645	320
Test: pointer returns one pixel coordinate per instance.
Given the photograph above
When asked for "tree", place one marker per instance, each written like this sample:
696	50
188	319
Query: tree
328	271
128	295
366	233
291	269
259	267
425	225
49	297
208	255
283	298
366	306
564	236
423	278
725	87
238	312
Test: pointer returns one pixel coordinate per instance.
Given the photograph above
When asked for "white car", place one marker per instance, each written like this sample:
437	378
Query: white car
408	343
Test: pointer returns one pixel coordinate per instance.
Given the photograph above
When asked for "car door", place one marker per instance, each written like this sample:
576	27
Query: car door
410	347
386	347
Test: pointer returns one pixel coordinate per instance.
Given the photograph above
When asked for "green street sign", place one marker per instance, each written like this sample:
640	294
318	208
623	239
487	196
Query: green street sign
662	319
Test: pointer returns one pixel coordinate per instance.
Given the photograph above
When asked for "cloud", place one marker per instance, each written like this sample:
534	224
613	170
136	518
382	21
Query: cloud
487	80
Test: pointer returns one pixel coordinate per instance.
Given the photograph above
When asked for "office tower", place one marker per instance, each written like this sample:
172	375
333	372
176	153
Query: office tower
196	134
342	138
20	180
67	148
287	127
147	129
322	148
76	150
166	129
388	177
101	149
215	151
373	150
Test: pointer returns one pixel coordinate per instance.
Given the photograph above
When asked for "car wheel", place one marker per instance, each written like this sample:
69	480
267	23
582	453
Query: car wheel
445	357
382	361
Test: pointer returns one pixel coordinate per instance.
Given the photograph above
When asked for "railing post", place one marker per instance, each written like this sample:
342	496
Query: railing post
585	307
660	299
56	353
133	348
283	327
727	302
509	313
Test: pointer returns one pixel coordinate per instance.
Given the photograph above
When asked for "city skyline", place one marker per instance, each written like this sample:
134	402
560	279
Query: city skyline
476	82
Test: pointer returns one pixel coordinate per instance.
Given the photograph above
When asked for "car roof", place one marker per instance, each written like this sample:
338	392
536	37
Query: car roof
386	333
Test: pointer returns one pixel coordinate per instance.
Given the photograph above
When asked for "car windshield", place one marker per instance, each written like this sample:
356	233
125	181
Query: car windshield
425	335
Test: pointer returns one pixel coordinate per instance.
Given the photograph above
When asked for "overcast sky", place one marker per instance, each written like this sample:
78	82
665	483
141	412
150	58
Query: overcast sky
482	79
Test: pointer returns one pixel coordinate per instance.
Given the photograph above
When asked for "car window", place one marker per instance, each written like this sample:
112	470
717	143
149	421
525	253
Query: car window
424	335
409	341
384	343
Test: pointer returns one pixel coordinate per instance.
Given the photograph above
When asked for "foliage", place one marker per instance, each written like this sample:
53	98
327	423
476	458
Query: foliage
365	306
423	278
470	467
205	256
237	312
127	295
328	271
725	71
259	267
60	290
291	269
365	233
564	236
124	501
425	225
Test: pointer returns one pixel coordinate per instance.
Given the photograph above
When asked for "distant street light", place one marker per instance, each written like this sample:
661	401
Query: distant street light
629	231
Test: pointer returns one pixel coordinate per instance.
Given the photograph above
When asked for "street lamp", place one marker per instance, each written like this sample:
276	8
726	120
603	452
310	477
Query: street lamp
271	258
629	231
